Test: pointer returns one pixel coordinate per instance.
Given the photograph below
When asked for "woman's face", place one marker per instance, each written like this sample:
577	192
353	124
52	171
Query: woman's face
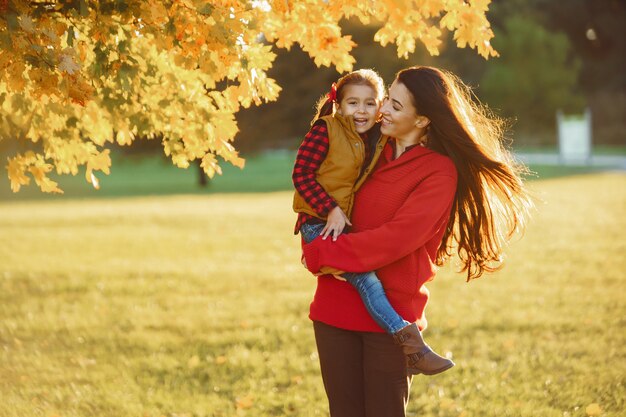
399	115
359	102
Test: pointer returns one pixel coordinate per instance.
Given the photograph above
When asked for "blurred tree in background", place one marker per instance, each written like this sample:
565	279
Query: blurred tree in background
597	31
535	76
547	62
78	75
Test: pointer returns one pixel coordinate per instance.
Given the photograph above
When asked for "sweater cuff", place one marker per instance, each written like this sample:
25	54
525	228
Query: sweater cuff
311	256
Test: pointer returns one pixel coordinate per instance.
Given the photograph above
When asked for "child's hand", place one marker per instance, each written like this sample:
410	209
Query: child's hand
335	223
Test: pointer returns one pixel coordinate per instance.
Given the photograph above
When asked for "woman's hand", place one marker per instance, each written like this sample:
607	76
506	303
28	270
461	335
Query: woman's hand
335	223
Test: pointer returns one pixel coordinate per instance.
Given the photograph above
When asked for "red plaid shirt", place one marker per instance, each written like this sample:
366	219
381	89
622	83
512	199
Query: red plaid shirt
311	154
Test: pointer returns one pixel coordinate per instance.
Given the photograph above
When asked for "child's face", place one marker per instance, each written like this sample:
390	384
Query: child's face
359	102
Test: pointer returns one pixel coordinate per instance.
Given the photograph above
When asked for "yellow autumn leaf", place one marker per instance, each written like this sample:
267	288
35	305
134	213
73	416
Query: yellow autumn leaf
193	362
45	82
155	12
243	403
281	6
432	40
481	5
223	126
97	162
432	8
15	79
593	409
180	160
210	165
78	89
228	152
39	171
124	136
16	170
96	124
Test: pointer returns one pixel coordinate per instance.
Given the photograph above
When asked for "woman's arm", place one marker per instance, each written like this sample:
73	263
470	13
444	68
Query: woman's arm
422	214
311	154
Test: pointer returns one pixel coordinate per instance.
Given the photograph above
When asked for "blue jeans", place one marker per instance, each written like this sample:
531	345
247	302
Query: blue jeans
368	286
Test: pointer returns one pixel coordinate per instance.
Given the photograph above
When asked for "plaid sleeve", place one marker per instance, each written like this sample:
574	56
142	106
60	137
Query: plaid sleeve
311	154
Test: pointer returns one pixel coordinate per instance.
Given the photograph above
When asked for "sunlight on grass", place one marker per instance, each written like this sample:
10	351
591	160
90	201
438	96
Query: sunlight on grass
197	306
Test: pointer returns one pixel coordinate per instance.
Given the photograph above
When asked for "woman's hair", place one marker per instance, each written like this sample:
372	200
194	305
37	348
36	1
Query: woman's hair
325	106
491	202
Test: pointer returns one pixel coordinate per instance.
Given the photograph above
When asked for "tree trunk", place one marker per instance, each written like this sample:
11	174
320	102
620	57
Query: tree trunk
203	179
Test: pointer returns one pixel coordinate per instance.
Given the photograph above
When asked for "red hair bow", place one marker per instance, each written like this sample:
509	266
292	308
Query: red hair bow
332	94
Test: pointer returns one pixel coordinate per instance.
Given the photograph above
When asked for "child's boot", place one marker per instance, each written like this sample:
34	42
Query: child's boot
420	358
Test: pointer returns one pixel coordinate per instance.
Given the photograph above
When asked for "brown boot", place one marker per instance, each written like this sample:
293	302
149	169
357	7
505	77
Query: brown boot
420	358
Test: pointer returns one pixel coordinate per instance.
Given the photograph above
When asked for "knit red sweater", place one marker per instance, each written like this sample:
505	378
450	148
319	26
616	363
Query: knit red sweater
398	221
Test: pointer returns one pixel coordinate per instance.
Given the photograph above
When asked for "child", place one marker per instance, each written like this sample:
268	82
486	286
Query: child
334	159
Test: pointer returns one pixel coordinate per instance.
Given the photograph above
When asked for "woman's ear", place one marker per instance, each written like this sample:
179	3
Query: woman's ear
422	121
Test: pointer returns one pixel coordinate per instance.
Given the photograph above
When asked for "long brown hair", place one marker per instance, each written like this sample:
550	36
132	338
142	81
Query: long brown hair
369	77
491	202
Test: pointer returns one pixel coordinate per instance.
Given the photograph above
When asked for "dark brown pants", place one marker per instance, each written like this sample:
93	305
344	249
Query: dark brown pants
364	373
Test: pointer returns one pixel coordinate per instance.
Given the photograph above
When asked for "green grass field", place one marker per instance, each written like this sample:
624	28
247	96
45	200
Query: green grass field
153	175
196	305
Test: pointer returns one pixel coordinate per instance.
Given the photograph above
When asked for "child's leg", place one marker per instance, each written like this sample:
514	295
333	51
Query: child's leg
310	231
373	295
420	358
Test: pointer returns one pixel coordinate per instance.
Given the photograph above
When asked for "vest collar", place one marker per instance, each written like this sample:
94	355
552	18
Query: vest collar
347	123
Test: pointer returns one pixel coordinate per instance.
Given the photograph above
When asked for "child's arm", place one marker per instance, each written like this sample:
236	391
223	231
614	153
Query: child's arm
311	154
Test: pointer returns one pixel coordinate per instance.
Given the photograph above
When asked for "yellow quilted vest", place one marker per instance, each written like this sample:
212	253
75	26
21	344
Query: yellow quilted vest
339	173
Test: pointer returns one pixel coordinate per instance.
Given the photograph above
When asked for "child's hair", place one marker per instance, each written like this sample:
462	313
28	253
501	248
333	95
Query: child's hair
369	77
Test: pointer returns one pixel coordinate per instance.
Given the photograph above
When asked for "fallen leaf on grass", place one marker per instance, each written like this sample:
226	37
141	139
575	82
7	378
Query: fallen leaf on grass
245	402
593	409
508	344
193	362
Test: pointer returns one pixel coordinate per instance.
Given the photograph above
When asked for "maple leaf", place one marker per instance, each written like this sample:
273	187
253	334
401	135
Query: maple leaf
124	136
39	170
210	166
16	172
78	89
15	79
99	162
68	65
27	24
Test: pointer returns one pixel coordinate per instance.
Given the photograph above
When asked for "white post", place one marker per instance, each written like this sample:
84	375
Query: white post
574	136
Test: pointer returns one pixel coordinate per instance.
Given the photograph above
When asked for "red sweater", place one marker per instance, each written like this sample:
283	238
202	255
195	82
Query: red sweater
398	220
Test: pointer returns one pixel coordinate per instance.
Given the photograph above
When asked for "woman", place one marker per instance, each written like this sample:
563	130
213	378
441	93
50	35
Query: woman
443	181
